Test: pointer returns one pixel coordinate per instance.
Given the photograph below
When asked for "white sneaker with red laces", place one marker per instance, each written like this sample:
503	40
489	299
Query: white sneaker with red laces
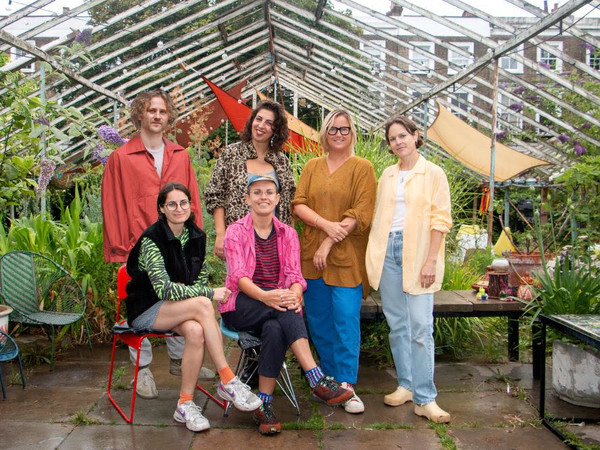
355	405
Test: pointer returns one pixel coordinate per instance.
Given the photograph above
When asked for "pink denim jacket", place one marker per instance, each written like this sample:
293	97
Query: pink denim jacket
240	252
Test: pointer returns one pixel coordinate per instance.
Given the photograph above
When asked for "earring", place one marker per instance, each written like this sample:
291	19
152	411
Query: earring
272	140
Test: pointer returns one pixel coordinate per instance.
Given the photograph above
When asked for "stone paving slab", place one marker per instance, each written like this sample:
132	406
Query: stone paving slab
380	439
250	439
23	435
527	438
47	404
128	437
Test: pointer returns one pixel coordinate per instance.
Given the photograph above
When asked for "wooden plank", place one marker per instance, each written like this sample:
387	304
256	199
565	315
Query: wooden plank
450	301
491	304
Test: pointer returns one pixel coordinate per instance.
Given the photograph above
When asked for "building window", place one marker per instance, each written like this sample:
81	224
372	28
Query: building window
17	53
457	59
551	60
375	49
508	113
460	103
421	63
510	63
592	56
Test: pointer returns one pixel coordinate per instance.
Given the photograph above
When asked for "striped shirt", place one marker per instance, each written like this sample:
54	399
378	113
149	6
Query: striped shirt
152	262
266	274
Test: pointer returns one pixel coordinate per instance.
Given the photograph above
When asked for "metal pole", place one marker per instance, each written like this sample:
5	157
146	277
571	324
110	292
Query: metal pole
493	153
507	207
43	136
426	121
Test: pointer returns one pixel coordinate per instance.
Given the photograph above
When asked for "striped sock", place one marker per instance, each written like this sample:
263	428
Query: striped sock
314	375
183	397
226	375
266	398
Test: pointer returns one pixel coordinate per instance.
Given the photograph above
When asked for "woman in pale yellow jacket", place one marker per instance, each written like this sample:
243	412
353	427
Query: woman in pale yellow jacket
405	260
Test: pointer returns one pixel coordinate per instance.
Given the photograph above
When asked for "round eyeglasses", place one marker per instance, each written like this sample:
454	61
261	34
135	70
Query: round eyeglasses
183	204
344	131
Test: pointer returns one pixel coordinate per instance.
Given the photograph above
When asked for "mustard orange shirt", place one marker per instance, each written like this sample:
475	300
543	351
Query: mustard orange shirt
347	192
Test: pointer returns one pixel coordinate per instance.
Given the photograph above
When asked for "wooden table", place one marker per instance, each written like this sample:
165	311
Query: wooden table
463	304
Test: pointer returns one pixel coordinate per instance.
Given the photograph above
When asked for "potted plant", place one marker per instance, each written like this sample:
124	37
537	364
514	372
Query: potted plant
572	288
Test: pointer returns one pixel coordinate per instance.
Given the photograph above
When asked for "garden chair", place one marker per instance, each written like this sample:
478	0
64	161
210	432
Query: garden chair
122	332
41	292
9	350
250	347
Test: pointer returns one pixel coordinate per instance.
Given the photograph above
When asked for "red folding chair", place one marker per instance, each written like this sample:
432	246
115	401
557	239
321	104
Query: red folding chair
122	332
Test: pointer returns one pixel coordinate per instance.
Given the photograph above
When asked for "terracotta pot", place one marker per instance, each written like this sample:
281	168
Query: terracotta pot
521	265
4	312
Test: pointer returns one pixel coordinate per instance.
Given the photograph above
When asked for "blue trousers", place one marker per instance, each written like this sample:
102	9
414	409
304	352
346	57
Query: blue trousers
410	318
333	315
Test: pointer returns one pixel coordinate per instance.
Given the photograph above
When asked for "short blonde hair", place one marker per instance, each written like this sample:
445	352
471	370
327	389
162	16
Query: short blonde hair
328	123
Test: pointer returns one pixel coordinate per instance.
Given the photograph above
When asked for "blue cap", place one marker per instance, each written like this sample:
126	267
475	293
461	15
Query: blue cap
255	178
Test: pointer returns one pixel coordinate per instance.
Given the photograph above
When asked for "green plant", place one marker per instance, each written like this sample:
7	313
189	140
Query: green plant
81	418
570	289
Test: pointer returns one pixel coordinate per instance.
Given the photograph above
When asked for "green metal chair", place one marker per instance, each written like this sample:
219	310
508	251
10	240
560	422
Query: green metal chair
41	292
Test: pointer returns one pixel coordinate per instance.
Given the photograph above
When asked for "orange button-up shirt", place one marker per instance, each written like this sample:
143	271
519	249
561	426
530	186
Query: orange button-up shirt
347	192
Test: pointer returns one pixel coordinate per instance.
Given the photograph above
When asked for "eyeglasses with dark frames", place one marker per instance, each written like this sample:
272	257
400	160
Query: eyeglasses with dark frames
183	204
344	131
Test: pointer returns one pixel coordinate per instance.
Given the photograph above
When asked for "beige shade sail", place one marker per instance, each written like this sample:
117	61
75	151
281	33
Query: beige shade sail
473	148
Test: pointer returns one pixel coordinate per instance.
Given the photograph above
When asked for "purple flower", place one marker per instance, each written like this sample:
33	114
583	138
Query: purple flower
518	107
110	135
46	171
501	134
589	47
579	149
585	126
41	120
503	85
519	90
545	65
84	37
97	154
534	98
563	138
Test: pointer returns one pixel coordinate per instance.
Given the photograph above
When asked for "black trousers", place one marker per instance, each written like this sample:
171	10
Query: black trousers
277	330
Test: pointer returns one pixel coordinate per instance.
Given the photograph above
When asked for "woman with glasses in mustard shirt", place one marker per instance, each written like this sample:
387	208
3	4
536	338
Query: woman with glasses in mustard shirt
334	199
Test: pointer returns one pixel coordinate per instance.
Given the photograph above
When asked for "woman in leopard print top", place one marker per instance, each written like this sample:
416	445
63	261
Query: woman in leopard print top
259	153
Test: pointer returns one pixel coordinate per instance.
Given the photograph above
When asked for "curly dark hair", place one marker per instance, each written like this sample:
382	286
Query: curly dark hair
162	198
407	123
140	104
280	125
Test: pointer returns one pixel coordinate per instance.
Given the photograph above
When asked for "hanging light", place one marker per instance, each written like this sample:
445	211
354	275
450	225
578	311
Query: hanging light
224	55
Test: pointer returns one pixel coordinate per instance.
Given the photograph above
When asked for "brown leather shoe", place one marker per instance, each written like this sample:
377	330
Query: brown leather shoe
399	397
433	412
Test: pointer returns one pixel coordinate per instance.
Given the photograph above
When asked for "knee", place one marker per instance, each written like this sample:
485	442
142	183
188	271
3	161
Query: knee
194	334
204	307
272	331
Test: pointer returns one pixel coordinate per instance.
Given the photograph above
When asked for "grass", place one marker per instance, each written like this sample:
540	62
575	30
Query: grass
81	418
441	431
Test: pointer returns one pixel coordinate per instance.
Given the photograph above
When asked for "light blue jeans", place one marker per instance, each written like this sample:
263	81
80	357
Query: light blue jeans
410	318
333	315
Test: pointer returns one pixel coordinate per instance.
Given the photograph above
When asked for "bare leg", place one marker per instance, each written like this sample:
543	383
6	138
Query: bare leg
266	385
303	354
199	309
193	354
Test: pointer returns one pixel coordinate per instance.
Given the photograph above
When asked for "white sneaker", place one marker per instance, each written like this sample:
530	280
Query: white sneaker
355	405
146	387
239	394
191	414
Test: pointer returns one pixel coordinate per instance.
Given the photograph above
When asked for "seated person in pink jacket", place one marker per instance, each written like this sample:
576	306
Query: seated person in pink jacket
263	274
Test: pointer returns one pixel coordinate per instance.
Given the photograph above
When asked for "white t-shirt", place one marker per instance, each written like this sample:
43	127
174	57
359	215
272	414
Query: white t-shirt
157	154
400	207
